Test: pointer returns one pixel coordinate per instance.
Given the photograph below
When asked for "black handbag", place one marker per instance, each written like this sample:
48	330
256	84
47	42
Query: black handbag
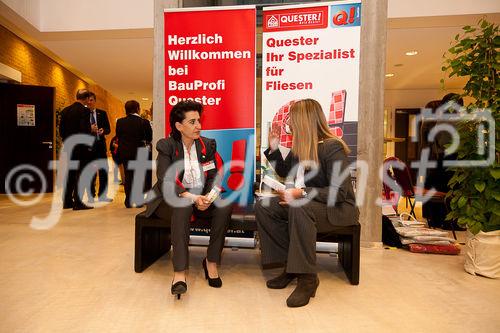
390	236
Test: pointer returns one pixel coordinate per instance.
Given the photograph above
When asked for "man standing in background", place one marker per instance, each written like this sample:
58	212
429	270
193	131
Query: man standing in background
133	132
100	123
74	120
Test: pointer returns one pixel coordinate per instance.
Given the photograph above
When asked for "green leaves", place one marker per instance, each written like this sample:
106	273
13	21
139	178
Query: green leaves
496	210
480	186
493	223
474	227
475	192
495	173
469	29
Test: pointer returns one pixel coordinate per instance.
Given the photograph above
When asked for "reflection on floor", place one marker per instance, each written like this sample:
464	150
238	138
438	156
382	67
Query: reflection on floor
78	277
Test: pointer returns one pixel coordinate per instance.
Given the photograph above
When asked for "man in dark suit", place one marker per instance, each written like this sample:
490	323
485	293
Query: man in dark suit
99	118
133	132
74	120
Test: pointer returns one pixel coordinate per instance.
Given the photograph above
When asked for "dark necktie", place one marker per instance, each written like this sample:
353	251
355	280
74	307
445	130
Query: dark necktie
93	122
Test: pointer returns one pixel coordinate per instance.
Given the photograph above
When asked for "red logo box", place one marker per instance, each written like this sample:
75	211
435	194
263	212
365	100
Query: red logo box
296	19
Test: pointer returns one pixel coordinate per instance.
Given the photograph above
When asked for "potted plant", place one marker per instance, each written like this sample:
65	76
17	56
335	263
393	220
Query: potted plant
475	191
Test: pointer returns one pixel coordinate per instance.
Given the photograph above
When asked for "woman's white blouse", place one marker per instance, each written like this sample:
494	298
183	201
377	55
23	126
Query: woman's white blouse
192	174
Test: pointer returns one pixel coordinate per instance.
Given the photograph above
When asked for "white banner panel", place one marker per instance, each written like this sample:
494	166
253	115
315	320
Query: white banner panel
312	51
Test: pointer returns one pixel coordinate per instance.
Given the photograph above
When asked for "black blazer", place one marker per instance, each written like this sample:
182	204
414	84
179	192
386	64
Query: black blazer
132	132
74	120
343	212
102	122
171	151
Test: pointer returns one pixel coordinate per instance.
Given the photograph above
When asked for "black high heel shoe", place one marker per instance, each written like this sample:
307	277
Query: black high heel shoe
179	288
216	282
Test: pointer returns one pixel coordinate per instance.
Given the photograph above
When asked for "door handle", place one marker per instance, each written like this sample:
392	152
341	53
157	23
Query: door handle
49	143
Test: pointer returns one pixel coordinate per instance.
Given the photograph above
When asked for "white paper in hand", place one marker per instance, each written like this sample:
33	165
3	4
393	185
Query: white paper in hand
213	194
273	183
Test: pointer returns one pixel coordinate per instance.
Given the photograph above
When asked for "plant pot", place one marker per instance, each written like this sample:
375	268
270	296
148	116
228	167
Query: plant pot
482	254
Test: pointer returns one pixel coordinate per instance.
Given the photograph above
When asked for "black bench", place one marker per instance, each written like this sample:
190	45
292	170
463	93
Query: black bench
152	240
152	235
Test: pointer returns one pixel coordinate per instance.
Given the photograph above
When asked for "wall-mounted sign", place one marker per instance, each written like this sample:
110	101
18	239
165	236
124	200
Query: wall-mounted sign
25	115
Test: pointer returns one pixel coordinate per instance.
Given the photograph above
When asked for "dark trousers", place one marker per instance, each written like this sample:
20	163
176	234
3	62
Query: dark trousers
288	234
129	181
435	211
70	190
116	172
180	217
148	184
127	186
102	173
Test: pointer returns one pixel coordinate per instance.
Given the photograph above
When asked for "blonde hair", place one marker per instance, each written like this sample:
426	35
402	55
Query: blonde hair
309	127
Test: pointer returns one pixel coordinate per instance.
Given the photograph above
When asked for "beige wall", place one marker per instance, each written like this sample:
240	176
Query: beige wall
40	70
414	98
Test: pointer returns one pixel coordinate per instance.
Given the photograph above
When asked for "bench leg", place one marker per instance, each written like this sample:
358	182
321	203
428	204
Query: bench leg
349	256
151	243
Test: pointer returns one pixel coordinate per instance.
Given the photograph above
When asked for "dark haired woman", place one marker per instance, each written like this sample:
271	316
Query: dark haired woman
288	226
187	170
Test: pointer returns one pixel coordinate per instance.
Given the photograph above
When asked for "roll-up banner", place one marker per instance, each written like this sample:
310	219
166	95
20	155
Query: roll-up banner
210	58
311	51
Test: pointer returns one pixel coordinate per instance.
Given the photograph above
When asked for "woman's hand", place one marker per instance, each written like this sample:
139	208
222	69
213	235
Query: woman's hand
201	202
290	194
273	137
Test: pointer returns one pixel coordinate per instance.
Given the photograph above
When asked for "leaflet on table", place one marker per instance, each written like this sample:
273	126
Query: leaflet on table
401	221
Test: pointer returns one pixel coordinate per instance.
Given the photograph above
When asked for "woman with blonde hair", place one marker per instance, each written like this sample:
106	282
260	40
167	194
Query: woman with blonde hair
321	199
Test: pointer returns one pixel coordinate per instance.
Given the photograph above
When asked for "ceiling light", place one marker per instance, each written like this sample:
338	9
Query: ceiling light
411	53
145	99
389	75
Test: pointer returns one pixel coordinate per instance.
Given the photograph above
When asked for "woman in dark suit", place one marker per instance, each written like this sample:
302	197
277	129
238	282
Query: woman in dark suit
320	200
132	133
188	168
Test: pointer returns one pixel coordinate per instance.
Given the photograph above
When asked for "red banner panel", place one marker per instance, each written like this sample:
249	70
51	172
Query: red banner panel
295	19
210	58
